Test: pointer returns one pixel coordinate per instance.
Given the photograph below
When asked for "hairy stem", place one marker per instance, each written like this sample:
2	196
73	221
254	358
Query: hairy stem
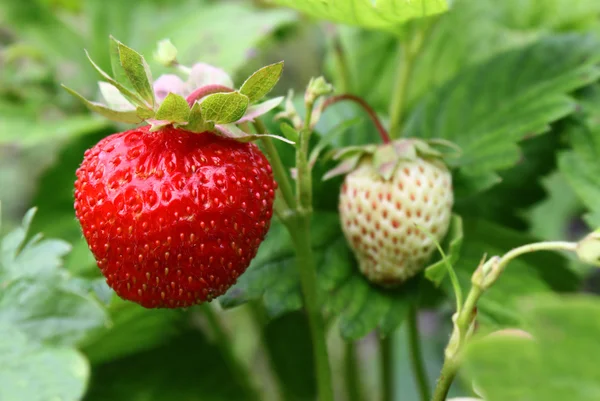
301	234
353	387
308	281
278	168
484	277
385	137
445	381
241	374
386	350
416	354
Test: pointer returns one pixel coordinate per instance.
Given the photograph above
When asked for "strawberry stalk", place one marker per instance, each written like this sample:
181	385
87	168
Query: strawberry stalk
385	137
415	353
483	278
386	351
301	236
353	387
206	90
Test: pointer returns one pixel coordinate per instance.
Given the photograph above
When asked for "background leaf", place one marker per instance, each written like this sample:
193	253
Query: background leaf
487	116
557	362
580	165
186	367
385	15
29	371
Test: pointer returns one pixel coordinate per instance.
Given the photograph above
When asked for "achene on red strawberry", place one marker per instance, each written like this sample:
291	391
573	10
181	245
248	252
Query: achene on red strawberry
173	217
174	211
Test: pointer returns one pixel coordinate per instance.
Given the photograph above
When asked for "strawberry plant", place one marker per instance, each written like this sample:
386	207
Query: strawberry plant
299	200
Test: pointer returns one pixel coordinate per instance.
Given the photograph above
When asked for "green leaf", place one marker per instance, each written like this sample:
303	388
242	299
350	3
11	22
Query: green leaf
36	258
190	369
173	109
499	203
196	121
386	15
466	184
451	245
289	132
259	84
130	117
561	203
36	297
551	14
137	71
48	312
115	62
131	96
521	98
344	292
25	131
557	362
133	329
224	108
32	372
114	99
580	164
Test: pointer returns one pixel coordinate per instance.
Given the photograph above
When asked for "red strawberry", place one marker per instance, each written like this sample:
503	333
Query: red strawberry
173	217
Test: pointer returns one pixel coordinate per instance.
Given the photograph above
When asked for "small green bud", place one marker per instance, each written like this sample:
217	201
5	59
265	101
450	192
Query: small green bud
166	53
317	87
588	249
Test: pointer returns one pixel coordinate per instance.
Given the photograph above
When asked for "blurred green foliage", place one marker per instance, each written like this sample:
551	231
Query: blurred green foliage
512	82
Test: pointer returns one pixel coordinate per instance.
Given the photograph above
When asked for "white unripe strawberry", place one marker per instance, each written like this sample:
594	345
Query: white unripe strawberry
391	204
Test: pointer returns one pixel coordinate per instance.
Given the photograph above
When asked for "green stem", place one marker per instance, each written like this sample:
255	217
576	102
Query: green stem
278	168
301	235
341	63
535	247
240	372
386	349
308	281
484	277
399	93
416	354
445	381
463	323
353	387
408	51
260	317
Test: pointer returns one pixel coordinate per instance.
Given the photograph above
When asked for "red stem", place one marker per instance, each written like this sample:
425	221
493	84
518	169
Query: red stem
385	137
206	90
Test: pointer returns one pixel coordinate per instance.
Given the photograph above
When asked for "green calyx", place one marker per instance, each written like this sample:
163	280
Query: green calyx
130	96
385	158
